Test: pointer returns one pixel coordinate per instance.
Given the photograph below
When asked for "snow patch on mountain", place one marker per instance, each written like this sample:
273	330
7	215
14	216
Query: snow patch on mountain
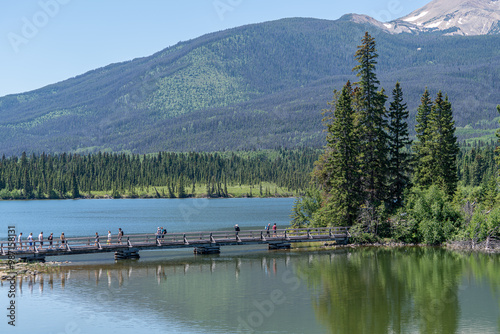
454	17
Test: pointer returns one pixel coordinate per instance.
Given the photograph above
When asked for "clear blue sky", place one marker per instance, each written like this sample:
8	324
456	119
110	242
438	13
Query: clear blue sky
46	41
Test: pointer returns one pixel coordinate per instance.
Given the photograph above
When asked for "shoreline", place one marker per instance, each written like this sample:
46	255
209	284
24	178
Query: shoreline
457	246
139	197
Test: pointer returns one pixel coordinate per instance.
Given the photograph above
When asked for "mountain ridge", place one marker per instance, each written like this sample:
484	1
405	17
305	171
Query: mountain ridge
257	86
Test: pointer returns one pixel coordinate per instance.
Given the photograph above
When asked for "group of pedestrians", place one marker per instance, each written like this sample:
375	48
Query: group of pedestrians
30	242
109	239
267	228
160	232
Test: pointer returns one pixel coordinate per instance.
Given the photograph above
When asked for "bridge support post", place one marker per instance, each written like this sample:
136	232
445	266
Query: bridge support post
207	250
35	257
126	254
279	245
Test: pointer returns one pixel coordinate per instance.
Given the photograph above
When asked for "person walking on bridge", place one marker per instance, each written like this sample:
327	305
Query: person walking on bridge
120	235
20	240
62	239
40	239
275	228
30	241
50	239
268	227
96	239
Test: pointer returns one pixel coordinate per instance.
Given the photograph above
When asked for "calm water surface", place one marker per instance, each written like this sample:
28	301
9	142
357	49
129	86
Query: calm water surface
85	217
243	289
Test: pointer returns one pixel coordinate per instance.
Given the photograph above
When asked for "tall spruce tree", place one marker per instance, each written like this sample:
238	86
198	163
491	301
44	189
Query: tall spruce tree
338	173
370	105
399	142
445	144
424	164
75	193
497	149
437	158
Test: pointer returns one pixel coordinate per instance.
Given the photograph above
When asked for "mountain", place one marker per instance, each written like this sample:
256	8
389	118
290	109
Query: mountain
453	17
256	86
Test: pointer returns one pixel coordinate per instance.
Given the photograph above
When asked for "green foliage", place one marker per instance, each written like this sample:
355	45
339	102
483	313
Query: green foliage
336	171
430	211
404	229
360	235
482	225
74	185
437	148
305	207
399	148
372	123
181	192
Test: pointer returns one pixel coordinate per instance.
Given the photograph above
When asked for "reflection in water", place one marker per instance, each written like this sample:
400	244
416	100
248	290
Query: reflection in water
364	290
374	290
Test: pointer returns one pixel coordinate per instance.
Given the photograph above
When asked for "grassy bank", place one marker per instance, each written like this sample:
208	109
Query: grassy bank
263	190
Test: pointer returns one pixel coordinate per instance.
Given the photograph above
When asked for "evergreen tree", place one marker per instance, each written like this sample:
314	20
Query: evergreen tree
442	146
447	145
497	149
27	187
181	189
74	186
338	169
399	142
424	164
370	105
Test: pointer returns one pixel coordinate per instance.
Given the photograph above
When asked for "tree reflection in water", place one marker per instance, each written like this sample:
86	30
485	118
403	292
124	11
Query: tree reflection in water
373	290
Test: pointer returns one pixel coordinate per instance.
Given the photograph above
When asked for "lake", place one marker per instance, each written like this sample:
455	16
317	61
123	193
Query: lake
245	289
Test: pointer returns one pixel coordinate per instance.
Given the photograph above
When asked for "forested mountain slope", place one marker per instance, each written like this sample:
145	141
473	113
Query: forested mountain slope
256	86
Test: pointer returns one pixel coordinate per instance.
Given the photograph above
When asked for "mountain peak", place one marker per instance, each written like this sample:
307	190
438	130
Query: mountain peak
454	17
362	19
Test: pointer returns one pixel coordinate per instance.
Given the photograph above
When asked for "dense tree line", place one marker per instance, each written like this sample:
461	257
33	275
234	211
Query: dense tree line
372	177
175	174
476	164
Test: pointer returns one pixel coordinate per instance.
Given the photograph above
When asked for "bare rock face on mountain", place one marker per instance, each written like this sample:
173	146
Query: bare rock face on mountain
452	17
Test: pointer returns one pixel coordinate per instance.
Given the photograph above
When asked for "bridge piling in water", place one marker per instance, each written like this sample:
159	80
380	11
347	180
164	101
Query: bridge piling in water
126	254
207	250
279	245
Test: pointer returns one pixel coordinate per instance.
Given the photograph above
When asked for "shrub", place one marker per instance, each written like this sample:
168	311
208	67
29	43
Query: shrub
433	214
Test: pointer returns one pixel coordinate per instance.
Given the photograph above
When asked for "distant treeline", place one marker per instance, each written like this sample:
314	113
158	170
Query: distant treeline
175	174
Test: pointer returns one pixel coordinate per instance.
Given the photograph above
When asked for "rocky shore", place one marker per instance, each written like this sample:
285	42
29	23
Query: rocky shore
22	269
490	245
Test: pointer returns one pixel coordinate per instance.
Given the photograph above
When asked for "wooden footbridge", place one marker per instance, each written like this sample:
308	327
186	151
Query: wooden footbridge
202	242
